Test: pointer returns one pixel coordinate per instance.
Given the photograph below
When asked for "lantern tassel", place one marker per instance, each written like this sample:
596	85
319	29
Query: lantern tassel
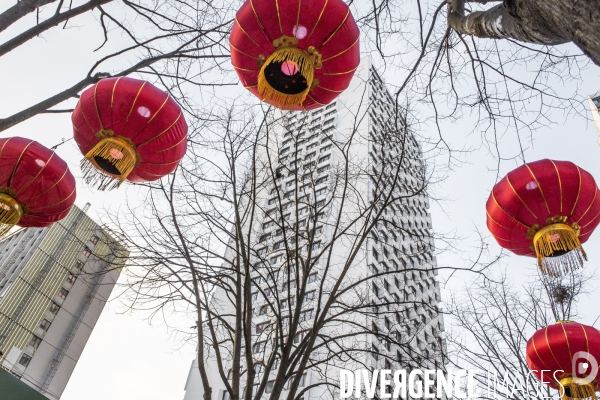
10	213
109	163
572	390
558	249
306	68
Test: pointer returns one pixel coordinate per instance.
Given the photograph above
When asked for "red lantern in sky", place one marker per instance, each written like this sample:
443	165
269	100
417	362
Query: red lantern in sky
36	186
128	129
545	209
568	354
295	55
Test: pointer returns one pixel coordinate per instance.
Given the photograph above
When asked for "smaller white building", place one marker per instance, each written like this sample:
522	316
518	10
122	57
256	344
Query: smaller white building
54	283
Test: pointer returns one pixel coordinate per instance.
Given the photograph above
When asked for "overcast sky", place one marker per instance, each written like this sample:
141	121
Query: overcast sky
128	359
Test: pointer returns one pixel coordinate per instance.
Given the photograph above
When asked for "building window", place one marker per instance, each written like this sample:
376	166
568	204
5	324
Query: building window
309	296
45	325
86	252
263	310
306	315
258	347
268	225
71	279
375	290
25	359
316	246
262	251
319	230
299	336
63	293
258	368
323	169
388	324
374	352
94	239
54	308
269	387
261	327
311	278
35	342
321	180
302	382
79	265
324	158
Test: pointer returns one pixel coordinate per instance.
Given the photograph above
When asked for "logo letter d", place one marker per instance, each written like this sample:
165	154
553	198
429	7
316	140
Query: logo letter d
580	369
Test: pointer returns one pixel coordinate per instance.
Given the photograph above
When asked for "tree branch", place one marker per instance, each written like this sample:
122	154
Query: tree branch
47	24
19	10
49	102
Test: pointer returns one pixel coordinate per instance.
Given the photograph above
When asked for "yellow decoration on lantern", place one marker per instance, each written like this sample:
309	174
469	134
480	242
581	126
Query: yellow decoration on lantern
114	157
558	239
10	213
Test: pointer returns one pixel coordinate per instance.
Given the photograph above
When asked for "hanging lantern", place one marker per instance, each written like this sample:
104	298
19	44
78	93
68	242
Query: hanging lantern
295	55
545	209
36	186
128	130
567	353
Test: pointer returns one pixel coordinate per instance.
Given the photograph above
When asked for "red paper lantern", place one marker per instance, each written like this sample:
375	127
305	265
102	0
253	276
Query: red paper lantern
545	209
295	55
568	354
36	186
128	129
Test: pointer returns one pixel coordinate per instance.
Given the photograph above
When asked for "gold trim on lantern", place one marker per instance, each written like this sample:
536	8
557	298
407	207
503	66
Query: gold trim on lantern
577	389
116	151
10	213
558	237
307	62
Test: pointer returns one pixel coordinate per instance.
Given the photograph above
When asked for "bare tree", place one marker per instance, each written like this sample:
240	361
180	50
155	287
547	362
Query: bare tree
262	245
492	322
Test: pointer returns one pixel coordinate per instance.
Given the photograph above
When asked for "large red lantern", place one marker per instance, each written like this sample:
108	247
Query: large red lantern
545	209
36	186
568	354
295	55
128	129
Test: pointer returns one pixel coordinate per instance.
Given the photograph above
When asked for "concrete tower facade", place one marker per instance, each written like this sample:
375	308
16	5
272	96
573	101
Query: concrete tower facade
403	292
54	283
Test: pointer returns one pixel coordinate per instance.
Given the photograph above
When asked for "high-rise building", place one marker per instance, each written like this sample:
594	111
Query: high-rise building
54	283
594	101
403	294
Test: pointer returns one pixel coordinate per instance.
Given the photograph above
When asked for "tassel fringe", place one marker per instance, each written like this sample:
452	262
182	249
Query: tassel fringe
10	213
560	238
306	67
571	390
115	151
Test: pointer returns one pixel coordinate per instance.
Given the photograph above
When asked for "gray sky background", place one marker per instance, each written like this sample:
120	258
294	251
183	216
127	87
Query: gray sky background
126	358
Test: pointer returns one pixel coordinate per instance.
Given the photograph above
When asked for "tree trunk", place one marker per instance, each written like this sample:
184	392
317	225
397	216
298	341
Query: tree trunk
548	22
